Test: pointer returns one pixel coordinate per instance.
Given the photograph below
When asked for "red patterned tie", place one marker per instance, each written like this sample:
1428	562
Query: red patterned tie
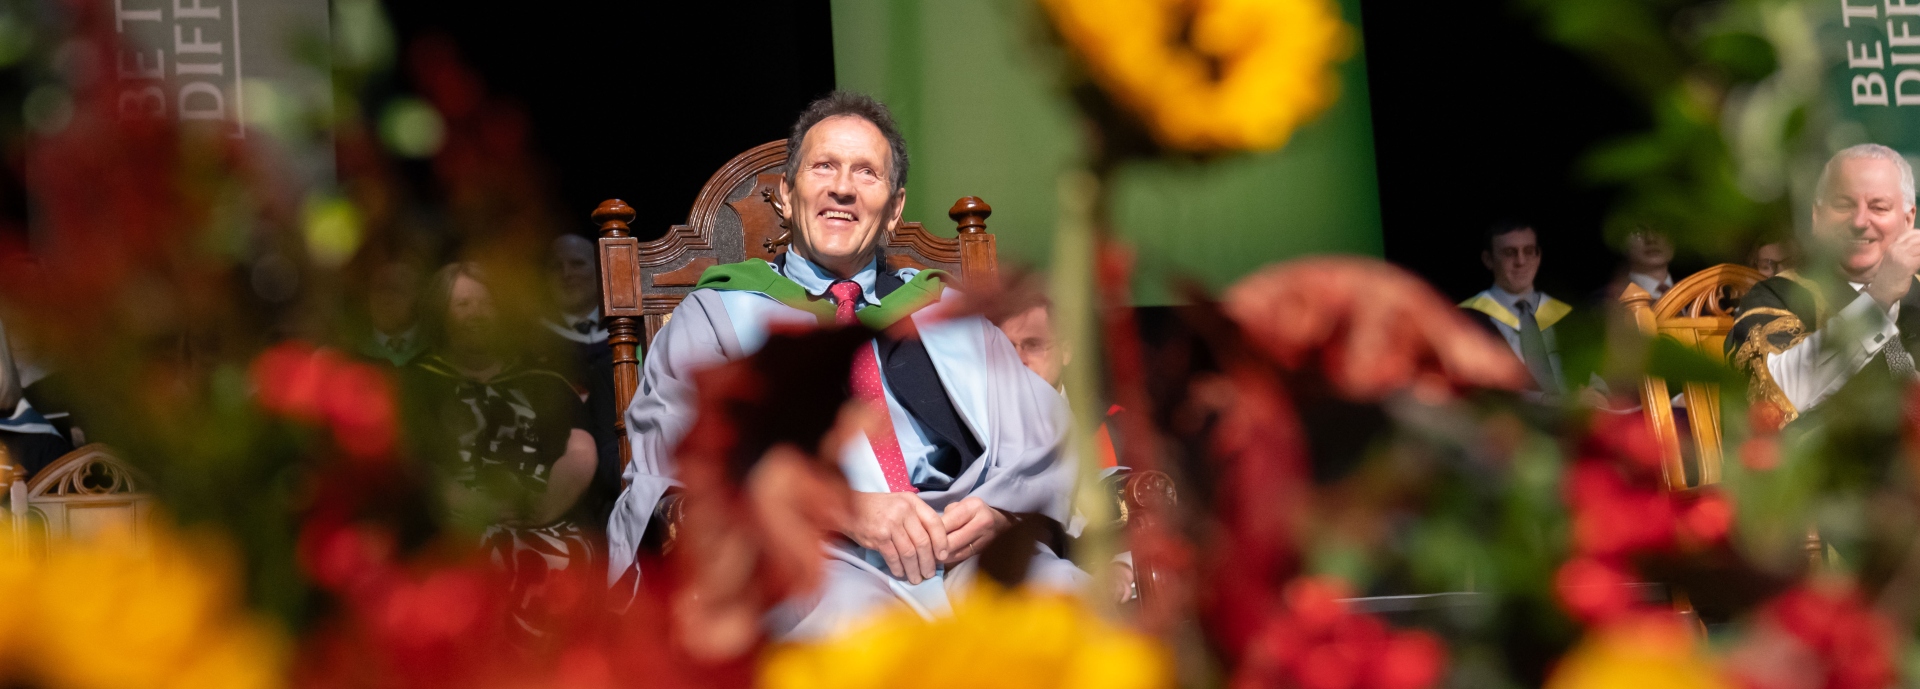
868	388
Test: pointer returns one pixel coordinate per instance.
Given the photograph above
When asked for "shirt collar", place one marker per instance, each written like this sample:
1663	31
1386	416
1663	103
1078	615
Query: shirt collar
1508	299
1651	283
589	315
389	340
815	279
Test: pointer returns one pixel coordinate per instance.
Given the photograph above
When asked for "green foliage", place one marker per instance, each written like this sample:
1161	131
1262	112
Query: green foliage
1725	86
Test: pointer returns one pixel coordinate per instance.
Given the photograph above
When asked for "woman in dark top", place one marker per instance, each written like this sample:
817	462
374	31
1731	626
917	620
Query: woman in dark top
510	442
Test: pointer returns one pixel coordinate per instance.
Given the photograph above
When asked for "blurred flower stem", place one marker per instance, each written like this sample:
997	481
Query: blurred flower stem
1074	308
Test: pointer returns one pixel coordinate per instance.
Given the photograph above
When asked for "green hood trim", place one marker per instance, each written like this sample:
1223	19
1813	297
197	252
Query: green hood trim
756	275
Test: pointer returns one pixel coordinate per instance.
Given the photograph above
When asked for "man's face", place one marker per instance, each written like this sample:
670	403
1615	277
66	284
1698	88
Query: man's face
1860	213
842	199
1770	259
390	301
472	320
1649	250
570	273
1514	259
1032	334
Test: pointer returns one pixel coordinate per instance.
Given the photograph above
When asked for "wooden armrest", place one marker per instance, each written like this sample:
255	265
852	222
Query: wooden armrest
1134	492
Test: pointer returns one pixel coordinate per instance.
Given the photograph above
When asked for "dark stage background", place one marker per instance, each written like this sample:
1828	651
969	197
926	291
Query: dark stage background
1476	118
639	100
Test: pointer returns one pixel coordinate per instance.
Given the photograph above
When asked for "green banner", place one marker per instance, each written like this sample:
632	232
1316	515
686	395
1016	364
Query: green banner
974	86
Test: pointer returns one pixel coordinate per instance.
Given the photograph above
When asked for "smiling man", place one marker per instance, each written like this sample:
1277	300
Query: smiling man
1840	338
1518	313
967	439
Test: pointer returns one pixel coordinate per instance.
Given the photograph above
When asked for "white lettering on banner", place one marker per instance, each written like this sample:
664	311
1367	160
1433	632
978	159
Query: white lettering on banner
137	67
215	103
148	103
1870	89
122	15
193	9
1862	60
199	44
1869	53
1901	96
200	40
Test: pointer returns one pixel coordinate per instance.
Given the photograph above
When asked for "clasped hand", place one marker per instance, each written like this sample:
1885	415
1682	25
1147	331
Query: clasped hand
914	539
1894	277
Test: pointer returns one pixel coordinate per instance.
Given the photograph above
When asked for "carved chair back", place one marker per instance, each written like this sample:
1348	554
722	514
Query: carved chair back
80	495
736	218
1697	312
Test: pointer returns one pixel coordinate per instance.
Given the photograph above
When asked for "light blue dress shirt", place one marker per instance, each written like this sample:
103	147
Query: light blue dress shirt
920	446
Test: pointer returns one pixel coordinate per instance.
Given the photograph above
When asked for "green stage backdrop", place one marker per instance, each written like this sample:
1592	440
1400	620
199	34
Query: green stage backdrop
973	84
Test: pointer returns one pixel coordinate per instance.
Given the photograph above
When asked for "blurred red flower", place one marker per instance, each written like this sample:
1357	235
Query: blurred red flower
1317	643
1371	328
355	400
1592	590
1827	632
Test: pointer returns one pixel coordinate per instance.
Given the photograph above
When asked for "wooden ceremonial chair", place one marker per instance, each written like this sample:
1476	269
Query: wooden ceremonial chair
736	217
1698	312
84	493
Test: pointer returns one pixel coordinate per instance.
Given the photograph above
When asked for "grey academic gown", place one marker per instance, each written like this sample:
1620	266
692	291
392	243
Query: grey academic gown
1020	421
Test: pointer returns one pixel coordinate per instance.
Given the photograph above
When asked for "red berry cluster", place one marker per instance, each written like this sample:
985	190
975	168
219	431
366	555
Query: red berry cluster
1819	634
320	386
1317	643
1621	509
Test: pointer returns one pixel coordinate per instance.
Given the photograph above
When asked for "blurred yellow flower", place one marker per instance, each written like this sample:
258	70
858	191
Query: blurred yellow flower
1211	75
113	614
1643	652
995	639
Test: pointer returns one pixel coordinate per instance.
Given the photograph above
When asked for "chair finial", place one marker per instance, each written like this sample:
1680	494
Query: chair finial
612	216
970	213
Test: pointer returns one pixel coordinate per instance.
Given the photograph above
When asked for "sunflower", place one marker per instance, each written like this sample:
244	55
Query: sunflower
995	638
1210	75
113	613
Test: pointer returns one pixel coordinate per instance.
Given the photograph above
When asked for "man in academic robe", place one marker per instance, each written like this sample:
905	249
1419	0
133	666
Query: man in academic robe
1836	343
30	441
393	295
1517	312
574	290
968	439
572	341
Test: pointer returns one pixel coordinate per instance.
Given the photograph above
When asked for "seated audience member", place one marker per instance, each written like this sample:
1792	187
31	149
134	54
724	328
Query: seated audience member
1649	256
510	442
575	346
1043	352
1842	334
1514	310
971	440
1775	257
1047	355
393	295
573	285
31	442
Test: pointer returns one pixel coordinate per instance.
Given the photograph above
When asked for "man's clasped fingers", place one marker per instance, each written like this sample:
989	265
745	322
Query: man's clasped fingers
970	524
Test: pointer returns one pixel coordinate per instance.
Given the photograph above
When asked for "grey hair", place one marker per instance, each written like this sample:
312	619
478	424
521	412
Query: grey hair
1874	151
